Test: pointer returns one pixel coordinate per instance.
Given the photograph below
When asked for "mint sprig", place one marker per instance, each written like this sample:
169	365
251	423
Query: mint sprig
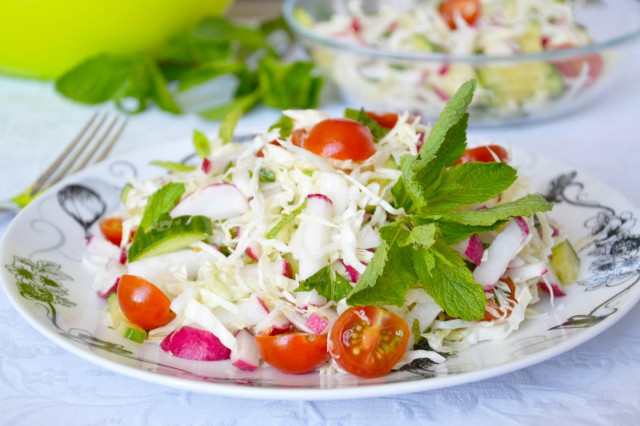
437	195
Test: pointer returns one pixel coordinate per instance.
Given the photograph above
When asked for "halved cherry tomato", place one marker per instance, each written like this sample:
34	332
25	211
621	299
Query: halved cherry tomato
484	154
294	353
491	303
573	67
143	303
387	120
469	10
111	228
340	138
368	341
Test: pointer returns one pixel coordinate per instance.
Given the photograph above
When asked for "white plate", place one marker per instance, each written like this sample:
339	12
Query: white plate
45	279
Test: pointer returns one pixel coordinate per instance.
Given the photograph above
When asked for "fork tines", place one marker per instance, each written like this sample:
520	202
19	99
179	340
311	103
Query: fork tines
83	149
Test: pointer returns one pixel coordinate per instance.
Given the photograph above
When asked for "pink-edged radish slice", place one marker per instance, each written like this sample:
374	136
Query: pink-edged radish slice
314	235
252	310
275	323
551	284
284	267
517	262
502	250
471	248
113	289
217	201
101	247
107	277
253	250
527	272
304	299
195	344
206	165
316	323
354	275
246	356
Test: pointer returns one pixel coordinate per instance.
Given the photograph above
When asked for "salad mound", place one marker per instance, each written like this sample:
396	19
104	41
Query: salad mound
352	244
457	28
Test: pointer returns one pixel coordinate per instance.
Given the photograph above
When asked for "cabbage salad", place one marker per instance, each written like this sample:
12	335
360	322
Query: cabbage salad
329	243
490	28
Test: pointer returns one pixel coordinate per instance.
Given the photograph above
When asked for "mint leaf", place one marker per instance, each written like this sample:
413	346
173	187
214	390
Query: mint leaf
160	203
285	124
285	221
469	183
377	131
267	175
201	144
229	125
173	166
288	85
327	283
421	236
389	274
446	278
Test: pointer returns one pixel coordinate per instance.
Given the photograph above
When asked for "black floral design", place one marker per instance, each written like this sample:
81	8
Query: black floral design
83	204
615	249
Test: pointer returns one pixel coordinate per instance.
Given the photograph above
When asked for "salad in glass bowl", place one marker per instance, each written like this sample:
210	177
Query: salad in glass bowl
532	58
351	245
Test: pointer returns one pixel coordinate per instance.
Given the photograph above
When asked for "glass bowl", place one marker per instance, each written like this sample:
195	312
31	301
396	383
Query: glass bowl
513	88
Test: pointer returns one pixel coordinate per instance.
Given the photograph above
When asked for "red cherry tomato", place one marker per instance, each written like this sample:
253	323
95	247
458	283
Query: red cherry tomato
572	68
469	10
484	154
368	341
340	138
294	353
143	303
111	228
387	120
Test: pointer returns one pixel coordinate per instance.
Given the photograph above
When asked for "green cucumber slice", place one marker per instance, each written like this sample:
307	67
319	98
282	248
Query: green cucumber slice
169	235
520	82
121	324
565	262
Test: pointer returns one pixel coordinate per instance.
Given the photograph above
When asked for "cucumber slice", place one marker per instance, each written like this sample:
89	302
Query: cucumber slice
531	39
121	324
169	235
565	262
520	82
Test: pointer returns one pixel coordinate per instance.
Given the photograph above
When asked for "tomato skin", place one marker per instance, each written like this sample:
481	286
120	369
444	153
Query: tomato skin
143	303
341	139
387	120
484	154
572	68
294	353
111	228
468	9
367	341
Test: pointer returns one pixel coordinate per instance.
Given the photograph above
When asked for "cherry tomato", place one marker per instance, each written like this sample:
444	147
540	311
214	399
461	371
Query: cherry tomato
143	303
387	120
368	341
573	67
484	154
491	303
111	228
340	138
469	10
294	353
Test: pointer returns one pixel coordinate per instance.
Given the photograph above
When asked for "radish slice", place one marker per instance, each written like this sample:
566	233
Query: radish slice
550	284
196	344
314	235
217	201
354	275
113	289
305	299
502	251
101	247
471	248
527	272
252	310
316	323
275	323
284	267
246	356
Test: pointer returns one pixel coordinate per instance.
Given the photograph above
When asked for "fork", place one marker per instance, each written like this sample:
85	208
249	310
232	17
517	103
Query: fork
81	152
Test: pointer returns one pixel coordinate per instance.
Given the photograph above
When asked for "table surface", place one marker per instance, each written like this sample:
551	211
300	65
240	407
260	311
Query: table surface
595	383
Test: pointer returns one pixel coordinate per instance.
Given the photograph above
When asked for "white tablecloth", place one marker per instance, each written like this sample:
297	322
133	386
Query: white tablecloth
596	383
